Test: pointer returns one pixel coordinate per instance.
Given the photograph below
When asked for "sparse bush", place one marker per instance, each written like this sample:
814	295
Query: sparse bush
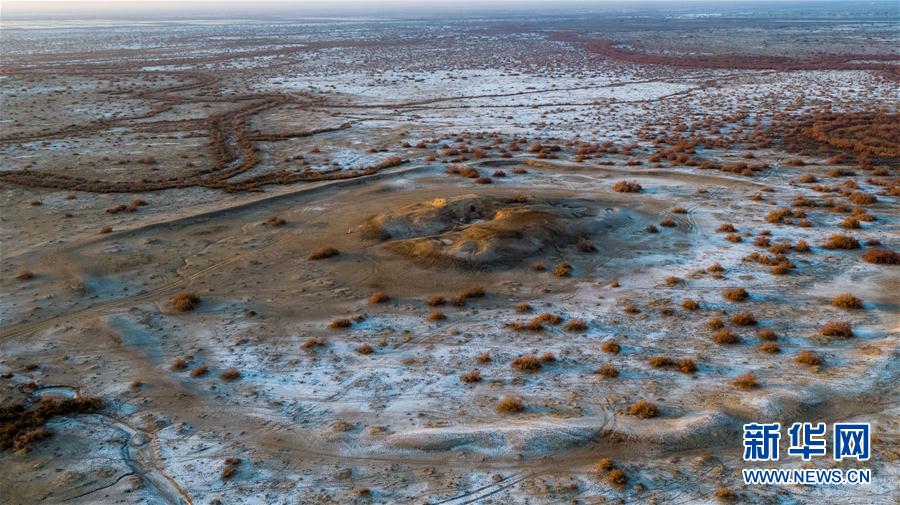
547	357
746	381
611	346
179	363
660	361
275	221
436	315
725	494
230	374
801	246
808	358
838	241
715	323
471	377
435	300
563	269
24	275
837	329
548	317
631	308
725	337
690	304
484	357
607	370
627	187
585	245
743	319
576	325
686	365
850	223
184	301
510	405
312	342
199	371
651	229
668	223
770	347
538	266
674	281
736	294
617	478
881	256
340	323
325	252
379	297
715	268
528	363
365	349
847	301
862	198
726	228
643	409
523	307
767	334
733	238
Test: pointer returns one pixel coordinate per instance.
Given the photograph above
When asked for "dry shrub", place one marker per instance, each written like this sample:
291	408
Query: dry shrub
484	357
20	426
627	187
608	370
782	268
179	363
715	268
199	371
548	317
548	357
523	307
733	238
687	365
365	349
611	346
341	322
436	315
850	223
24	275
527	363
230	374
510	405
767	334
808	358
725	494
643	409
690	304
617	478
801	246
325	252
726	228
736	294
538	266
564	269
746	381
275	221
651	229
725	336
847	301
678	210
471	377
674	281
862	198
715	323
881	256
604	465
837	329
743	319
476	292
184	301
484	180
106	229
770	347
435	300
668	223
379	297
312	342
576	325
631	308
585	245
838	241
661	361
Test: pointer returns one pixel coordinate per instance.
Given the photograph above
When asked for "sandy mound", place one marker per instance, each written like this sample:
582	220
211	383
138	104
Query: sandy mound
472	230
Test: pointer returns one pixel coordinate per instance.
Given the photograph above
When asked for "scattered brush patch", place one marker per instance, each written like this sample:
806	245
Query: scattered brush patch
585	245
548	357
725	337
617	478
471	377
435	300
436	315
801	246
690	304
460	299
528	363
838	241
847	301
661	361
576	325
184	301
668	223
199	371
607	370
627	187
743	319
767	334
230	374
859	198
687	365
715	323
725	494
484	357
746	381
21	426
808	358
365	349
538	266
179	363
631	308
611	346
106	229
715	268
379	297
679	210
850	223
837	329
734	238
548	317
674	281
510	405
524	308
770	347
563	269
726	228
651	229
312	342
24	275
643	409
881	256
339	323
736	294
230	468
325	252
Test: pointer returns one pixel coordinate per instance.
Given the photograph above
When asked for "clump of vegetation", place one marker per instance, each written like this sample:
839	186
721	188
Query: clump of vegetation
631	308
460	299
523	307
365	349
24	275
743	319
179	363
563	269
767	334
668	223
510	405
746	381
617	478
275	221
608	370
199	371
20	426
379	297
611	346
715	323
687	365
436	315
313	342
734	238
881	256
736	294
726	228
808	358
725	494
837	329
230	374
325	252
801	246
660	361
770	347
184	301
576	325
585	245
690	304
643	409
725	336
859	198
847	301
339	323
484	357
435	300
838	241
528	363
230	468
471	377
627	187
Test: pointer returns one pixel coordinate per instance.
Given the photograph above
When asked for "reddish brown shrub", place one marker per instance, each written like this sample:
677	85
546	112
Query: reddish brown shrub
643	409
808	358
510	405
847	301
325	252
528	363
880	256
471	377
837	329
627	187
743	319
725	336
185	301
746	381
736	294
611	346
607	370
838	241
